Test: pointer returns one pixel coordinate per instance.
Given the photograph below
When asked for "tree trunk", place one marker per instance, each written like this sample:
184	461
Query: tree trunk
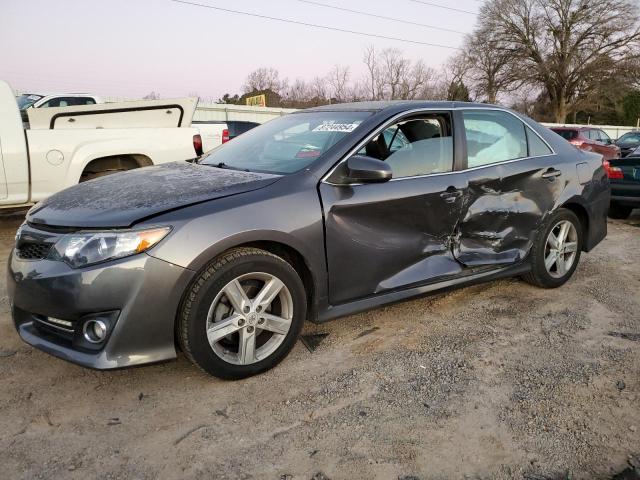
559	104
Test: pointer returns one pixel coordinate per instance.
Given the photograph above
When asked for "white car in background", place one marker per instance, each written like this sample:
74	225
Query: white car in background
42	100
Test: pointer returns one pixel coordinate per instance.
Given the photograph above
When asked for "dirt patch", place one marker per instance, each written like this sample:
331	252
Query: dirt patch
500	380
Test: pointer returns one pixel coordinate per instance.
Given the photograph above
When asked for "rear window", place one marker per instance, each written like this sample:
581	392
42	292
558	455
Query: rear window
566	134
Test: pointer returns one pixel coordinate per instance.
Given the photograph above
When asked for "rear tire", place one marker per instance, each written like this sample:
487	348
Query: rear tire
243	314
619	211
553	258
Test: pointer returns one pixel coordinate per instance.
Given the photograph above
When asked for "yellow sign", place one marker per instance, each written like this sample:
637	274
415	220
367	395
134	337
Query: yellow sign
257	101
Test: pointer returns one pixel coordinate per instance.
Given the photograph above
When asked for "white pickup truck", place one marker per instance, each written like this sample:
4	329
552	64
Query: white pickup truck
67	145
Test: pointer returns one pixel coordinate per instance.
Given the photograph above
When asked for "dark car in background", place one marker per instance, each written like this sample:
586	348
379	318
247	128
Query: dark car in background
624	176
629	143
312	216
234	127
590	139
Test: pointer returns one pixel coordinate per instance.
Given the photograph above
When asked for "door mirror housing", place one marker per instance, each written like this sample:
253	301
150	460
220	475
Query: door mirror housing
363	169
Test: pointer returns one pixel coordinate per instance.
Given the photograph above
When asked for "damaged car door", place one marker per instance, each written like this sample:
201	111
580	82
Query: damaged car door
387	235
513	182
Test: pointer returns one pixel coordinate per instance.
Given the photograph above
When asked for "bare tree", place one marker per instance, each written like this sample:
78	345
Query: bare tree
373	81
453	86
566	46
490	68
319	88
392	76
338	80
298	92
151	96
265	79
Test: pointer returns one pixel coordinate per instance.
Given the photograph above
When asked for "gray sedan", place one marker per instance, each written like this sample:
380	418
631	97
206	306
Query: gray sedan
313	216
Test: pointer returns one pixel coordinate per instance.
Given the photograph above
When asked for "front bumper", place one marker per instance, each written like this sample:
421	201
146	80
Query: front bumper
139	297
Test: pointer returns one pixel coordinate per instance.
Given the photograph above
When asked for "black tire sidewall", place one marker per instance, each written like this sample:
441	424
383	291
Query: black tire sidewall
538	267
619	211
196	319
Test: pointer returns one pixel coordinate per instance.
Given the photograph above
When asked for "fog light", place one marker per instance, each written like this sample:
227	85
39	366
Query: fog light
95	331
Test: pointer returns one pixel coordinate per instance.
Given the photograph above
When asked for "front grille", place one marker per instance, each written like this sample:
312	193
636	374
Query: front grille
33	250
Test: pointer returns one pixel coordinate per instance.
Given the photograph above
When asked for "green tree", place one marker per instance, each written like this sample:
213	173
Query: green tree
631	107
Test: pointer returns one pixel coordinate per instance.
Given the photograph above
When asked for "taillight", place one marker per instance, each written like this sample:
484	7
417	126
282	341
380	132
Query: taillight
614	173
197	144
225	135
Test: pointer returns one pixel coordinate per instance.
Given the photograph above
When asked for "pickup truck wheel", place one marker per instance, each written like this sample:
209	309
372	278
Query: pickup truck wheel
619	211
242	314
556	251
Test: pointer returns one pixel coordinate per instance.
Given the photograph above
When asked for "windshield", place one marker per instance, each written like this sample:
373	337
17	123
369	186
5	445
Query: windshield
287	144
630	138
26	100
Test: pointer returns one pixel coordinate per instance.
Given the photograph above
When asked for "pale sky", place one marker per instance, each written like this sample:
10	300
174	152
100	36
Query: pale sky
131	47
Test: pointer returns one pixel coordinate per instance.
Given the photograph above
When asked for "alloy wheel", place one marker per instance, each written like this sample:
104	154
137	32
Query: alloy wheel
561	249
249	318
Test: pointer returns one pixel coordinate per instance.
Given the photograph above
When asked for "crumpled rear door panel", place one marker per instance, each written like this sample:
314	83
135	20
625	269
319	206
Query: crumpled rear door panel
504	207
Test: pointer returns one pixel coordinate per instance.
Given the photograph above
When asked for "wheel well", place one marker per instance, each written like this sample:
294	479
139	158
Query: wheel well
297	261
117	162
582	215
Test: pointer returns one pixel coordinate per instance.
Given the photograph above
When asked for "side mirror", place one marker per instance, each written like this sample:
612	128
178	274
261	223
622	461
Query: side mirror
362	169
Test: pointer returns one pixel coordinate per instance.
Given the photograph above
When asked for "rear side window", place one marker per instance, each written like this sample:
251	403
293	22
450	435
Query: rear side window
567	134
537	147
493	137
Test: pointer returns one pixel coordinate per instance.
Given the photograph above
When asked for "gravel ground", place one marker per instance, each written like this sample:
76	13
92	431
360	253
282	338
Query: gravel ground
501	380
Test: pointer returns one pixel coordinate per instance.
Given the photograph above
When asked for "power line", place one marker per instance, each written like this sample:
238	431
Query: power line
408	22
446	8
314	25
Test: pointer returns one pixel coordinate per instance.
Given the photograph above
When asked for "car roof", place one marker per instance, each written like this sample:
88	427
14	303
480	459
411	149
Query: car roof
57	94
378	106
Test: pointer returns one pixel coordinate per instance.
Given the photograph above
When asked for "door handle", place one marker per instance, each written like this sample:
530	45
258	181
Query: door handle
451	194
551	173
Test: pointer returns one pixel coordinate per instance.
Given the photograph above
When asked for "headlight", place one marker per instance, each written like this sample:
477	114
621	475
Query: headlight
86	248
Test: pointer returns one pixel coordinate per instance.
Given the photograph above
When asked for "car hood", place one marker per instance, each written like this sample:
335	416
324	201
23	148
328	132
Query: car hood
121	199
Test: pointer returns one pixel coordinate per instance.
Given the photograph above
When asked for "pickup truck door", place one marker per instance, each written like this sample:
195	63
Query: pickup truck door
3	177
14	160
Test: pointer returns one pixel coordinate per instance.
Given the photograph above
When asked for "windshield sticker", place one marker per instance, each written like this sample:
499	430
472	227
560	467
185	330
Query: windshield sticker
336	127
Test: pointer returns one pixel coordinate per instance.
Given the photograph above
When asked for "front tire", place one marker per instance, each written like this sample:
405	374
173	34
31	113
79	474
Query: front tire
556	251
243	314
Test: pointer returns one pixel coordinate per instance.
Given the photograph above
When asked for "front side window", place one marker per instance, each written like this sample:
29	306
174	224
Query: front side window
287	144
594	135
417	146
493	137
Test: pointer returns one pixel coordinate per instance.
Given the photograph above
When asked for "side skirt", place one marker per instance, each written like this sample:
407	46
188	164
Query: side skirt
387	298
